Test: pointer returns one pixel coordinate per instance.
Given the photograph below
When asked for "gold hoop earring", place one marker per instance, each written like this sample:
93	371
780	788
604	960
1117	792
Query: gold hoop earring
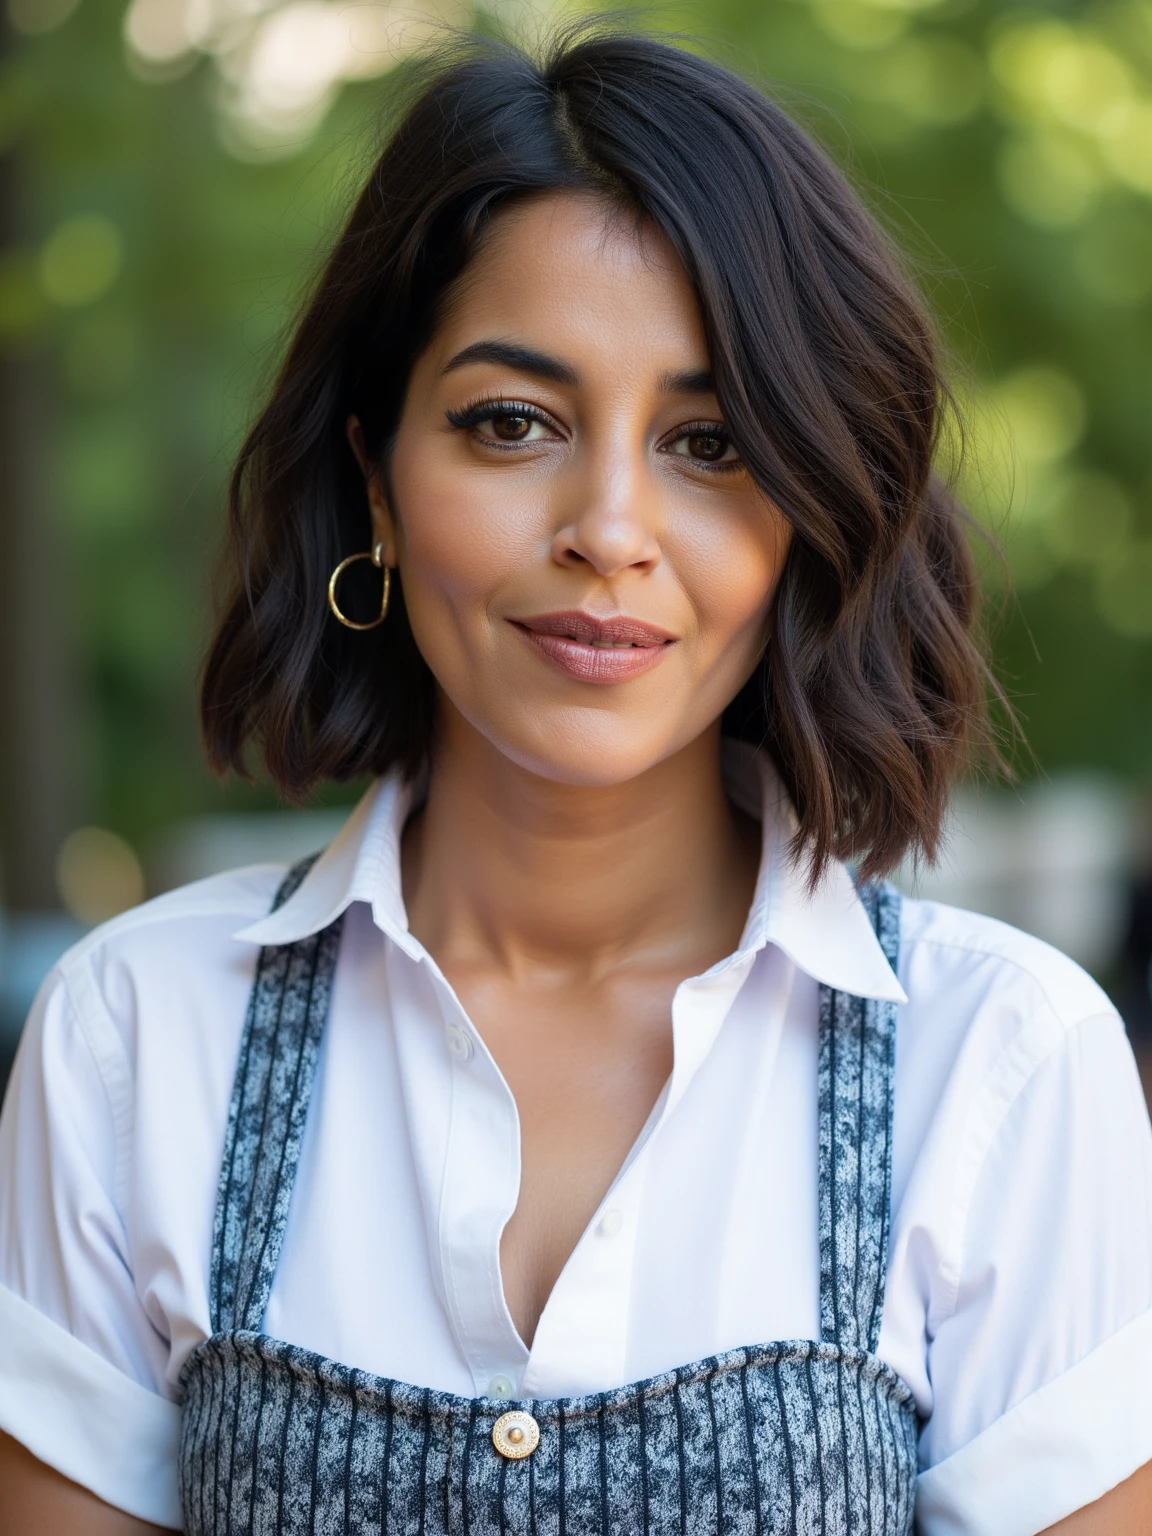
376	555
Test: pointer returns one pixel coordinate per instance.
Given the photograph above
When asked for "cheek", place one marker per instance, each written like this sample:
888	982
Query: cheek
732	567
461	537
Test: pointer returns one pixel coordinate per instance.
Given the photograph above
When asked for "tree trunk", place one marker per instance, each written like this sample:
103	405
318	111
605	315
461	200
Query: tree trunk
37	704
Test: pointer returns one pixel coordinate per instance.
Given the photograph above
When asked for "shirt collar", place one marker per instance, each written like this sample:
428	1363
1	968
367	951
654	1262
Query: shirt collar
826	931
361	863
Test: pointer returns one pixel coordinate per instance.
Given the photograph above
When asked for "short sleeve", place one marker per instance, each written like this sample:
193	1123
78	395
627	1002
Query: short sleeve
81	1365
1041	1370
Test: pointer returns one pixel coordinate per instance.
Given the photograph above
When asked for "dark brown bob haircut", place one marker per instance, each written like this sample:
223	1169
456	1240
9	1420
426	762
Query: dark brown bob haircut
873	690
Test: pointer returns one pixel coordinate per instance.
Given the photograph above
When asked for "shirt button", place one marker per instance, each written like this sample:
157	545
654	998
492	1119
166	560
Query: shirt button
499	1386
459	1042
611	1222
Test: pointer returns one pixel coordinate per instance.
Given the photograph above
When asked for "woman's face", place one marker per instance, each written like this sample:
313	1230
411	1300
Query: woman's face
587	566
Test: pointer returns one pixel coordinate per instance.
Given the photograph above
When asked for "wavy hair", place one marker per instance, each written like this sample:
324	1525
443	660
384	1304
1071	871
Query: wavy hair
873	694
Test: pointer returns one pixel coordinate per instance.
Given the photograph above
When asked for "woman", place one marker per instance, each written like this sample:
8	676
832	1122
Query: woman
473	1186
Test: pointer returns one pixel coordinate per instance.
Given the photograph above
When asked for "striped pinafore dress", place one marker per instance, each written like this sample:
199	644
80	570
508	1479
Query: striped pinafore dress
797	1438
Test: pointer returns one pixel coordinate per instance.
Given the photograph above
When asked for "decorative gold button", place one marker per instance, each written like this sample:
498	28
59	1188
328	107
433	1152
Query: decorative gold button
516	1434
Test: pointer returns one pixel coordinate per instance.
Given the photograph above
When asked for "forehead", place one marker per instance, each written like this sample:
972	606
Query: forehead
581	278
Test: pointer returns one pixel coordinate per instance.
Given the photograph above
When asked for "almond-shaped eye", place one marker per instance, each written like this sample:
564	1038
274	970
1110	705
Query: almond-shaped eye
503	422
514	426
707	445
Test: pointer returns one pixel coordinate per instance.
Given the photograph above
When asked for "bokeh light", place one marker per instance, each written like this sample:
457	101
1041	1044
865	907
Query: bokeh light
1049	178
1124	590
1045	410
98	875
33	17
1088	518
279	67
81	259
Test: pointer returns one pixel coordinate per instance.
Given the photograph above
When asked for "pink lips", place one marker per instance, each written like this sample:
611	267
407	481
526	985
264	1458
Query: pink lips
595	650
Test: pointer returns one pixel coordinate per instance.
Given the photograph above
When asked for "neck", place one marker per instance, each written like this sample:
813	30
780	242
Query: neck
505	868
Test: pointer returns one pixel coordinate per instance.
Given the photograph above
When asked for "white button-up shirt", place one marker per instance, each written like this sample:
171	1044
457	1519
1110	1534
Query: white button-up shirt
1019	1293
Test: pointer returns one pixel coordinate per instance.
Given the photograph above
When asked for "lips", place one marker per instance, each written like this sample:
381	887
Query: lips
596	650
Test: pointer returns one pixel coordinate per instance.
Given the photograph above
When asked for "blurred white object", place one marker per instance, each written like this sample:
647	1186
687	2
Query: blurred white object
1054	859
280	63
207	845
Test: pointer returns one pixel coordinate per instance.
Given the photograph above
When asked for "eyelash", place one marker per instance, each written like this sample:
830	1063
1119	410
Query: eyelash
478	411
710	429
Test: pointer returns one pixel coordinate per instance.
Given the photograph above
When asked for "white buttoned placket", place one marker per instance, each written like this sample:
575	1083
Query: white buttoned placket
478	1193
582	1334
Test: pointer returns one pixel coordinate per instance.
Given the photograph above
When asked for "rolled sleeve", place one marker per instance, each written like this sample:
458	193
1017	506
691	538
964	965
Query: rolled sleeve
82	1382
1042	1370
1036	1464
82	1416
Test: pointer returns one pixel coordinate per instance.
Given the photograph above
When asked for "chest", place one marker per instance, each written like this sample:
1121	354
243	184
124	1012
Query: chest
415	1162
585	1065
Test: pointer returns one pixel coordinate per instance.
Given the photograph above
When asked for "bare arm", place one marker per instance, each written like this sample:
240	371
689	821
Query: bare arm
35	1499
1125	1511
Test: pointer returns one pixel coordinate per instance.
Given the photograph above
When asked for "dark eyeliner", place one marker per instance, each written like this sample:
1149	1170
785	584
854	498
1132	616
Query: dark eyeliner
702	429
483	410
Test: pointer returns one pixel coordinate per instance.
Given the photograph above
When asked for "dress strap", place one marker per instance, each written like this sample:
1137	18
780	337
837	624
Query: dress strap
857	1060
278	1050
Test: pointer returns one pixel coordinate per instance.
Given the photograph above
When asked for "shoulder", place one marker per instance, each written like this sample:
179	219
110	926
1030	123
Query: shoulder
237	896
162	981
1005	1049
988	1005
183	928
945	947
133	1037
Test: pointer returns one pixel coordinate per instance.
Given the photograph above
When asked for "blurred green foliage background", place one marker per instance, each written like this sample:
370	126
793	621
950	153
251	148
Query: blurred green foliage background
170	172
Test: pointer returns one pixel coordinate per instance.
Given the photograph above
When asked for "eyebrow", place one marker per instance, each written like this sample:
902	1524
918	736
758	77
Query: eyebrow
523	359
693	381
696	381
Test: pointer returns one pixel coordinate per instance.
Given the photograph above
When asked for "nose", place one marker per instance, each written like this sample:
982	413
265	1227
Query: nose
612	517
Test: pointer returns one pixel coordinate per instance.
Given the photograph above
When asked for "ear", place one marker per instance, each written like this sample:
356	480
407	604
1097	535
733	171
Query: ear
383	527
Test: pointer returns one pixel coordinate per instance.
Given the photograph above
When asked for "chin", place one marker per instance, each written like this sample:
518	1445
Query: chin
592	749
